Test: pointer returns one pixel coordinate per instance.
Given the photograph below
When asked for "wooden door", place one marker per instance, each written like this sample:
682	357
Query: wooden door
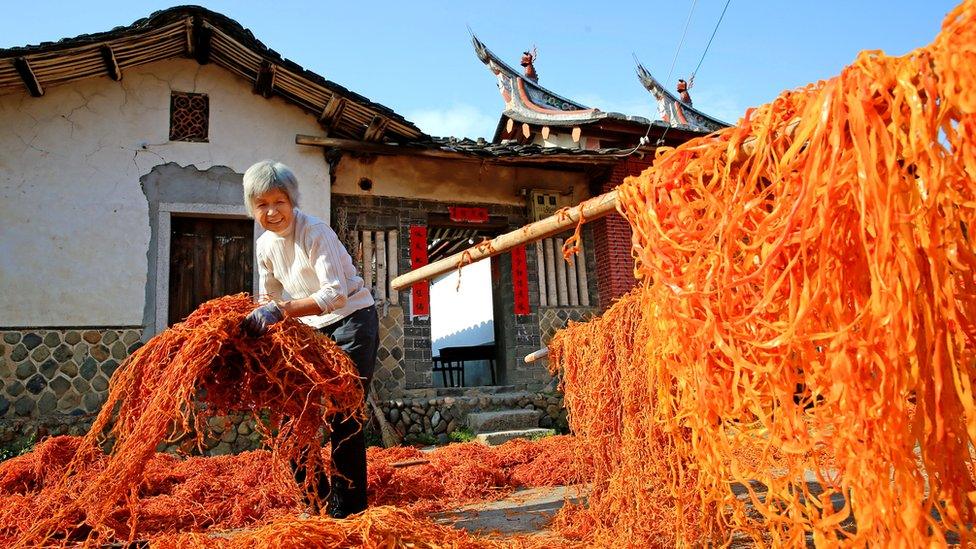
209	257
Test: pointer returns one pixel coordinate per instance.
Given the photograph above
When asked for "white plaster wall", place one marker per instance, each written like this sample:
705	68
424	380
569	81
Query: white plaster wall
74	225
466	308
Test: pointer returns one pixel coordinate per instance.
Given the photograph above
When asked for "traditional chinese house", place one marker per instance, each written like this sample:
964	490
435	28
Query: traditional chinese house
122	157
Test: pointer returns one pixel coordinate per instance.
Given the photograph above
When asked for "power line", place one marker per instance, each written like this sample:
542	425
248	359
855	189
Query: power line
680	42
715	30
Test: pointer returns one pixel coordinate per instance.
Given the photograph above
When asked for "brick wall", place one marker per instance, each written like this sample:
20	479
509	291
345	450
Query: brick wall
612	239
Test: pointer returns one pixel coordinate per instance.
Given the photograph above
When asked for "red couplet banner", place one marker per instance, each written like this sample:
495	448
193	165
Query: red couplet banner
418	258
520	281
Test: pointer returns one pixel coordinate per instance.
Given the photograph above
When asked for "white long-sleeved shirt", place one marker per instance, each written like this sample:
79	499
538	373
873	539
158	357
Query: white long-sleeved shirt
310	261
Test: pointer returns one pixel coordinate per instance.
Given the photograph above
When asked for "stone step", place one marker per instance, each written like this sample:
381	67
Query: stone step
503	420
501	437
475	391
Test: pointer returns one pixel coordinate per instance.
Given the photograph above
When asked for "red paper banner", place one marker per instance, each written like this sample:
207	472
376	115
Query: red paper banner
468	214
418	258
520	281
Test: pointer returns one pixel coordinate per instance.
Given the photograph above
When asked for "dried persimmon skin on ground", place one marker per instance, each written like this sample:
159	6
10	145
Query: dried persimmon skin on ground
804	329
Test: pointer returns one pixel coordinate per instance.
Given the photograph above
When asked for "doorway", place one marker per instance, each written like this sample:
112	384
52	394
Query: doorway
462	311
209	257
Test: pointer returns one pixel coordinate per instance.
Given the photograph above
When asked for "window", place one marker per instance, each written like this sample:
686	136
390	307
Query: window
189	117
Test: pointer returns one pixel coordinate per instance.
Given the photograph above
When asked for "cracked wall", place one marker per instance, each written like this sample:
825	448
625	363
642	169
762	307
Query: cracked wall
74	220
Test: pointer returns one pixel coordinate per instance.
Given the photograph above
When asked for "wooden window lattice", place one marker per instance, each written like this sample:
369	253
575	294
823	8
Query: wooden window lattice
189	116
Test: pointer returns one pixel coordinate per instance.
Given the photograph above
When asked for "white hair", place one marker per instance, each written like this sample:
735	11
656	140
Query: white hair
268	175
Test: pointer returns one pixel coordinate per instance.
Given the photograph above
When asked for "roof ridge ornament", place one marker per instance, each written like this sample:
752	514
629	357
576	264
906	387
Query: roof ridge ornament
528	61
677	110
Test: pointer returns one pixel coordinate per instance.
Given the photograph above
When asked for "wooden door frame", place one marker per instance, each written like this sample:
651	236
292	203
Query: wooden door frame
163	233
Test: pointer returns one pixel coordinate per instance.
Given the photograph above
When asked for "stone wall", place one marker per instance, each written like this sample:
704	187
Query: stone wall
389	377
62	371
428	418
53	381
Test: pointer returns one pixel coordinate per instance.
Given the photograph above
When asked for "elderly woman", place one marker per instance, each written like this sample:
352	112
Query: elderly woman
301	255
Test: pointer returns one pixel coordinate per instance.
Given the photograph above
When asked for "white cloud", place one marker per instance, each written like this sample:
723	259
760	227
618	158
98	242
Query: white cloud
458	120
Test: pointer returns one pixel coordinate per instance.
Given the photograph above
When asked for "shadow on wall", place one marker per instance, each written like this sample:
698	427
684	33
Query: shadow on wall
476	334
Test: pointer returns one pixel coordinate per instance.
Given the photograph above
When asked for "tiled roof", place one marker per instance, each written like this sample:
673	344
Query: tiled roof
178	32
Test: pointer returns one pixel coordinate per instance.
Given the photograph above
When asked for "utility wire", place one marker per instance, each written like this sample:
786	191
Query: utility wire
667	80
660	140
643	141
712	37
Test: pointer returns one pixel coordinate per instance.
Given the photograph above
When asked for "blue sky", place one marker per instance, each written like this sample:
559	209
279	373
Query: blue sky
416	57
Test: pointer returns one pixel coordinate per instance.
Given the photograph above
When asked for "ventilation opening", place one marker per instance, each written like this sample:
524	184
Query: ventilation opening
189	117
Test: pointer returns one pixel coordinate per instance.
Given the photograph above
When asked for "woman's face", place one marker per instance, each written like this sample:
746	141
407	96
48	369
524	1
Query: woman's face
273	211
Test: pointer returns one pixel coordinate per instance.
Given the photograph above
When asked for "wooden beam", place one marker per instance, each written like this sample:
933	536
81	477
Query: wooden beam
551	296
380	238
562	290
376	129
111	65
367	237
571	280
27	75
331	113
392	263
264	81
540	263
201	41
582	282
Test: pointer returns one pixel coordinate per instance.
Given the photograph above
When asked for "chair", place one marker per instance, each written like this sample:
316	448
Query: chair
447	370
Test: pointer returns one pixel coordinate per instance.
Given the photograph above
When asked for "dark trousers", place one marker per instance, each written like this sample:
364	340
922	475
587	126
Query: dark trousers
358	336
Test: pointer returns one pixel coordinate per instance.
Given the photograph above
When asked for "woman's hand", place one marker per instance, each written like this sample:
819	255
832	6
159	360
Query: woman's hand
257	323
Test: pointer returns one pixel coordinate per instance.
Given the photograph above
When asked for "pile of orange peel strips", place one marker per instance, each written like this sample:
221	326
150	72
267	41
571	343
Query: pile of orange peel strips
795	365
808	292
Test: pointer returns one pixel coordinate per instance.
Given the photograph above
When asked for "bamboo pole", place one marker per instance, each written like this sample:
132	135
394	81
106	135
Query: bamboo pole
357	251
380	265
571	279
594	208
561	288
540	267
536	355
551	293
582	283
393	263
368	258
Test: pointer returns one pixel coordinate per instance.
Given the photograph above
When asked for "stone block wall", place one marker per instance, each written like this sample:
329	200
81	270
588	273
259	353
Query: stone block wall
389	378
60	371
427	418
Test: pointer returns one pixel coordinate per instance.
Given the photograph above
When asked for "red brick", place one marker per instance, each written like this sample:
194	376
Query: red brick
612	239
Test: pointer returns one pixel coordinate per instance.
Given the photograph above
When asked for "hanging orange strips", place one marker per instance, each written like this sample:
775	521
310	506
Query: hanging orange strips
807	324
